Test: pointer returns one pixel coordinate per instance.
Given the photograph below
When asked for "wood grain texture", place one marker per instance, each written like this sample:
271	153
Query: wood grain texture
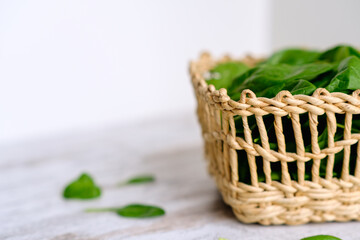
33	174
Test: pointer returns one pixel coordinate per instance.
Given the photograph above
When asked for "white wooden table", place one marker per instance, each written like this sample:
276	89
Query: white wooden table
33	174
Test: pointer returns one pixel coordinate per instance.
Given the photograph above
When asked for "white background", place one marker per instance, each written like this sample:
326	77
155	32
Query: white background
69	65
315	23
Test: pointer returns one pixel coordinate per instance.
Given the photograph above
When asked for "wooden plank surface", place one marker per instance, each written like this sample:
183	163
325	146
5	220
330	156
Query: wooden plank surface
33	174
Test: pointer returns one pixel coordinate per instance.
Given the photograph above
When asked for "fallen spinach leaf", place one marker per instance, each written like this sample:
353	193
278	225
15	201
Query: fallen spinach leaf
140	211
133	211
138	179
321	237
82	188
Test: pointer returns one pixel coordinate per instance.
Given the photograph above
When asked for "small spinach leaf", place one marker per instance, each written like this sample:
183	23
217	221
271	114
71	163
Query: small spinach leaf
133	211
138	179
223	74
348	77
321	237
300	87
339	53
295	87
293	57
324	79
82	188
140	211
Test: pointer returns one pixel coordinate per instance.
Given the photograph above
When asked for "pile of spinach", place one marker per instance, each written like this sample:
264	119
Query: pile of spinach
299	71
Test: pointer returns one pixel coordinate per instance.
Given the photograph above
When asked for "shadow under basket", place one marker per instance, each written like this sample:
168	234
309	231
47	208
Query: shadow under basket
315	184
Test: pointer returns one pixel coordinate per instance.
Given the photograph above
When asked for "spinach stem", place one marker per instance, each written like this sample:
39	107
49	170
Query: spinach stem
100	210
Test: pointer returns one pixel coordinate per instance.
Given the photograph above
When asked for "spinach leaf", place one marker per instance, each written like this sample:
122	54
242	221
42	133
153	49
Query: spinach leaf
348	77
300	87
275	175
266	76
223	74
339	53
321	237
293	57
140	211
138	179
82	188
233	89
132	211
271	91
323	139
324	79
294	86
355	124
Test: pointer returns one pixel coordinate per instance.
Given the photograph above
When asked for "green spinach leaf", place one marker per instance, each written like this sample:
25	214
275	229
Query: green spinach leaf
339	53
133	211
293	57
300	87
321	237
223	74
82	188
138	180
267	76
294	86
348	77
324	79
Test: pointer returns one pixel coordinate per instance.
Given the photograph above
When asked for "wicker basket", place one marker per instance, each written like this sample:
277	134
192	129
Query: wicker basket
289	201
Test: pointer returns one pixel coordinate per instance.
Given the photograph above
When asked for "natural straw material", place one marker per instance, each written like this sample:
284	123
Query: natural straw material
273	202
